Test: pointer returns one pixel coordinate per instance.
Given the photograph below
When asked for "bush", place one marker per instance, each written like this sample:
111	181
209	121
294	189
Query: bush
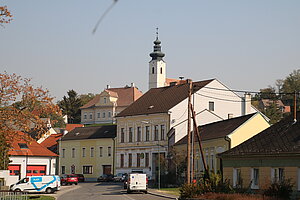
282	189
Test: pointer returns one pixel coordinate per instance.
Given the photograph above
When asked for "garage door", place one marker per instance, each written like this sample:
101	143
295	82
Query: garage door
14	169
36	170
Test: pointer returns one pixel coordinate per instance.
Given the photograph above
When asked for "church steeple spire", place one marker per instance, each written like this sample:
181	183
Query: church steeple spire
157	54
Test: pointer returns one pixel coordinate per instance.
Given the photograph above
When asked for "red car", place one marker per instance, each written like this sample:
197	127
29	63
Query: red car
69	179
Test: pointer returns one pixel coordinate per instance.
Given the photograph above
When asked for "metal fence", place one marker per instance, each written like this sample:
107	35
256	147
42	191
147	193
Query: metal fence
10	195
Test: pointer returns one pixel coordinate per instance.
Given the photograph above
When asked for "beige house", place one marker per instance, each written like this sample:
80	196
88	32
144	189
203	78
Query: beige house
218	137
272	155
104	107
89	151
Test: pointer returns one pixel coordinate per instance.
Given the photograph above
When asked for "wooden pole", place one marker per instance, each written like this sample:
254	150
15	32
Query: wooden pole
198	137
189	133
295	106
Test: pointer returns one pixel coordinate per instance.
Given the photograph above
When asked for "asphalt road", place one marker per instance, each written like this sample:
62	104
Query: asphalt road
103	191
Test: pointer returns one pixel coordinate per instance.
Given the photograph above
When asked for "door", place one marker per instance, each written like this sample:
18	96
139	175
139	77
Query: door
106	169
36	170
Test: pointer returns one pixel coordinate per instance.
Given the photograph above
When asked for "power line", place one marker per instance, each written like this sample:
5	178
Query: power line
221	99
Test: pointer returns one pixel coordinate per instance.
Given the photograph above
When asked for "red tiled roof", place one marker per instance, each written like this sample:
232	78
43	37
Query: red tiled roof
160	100
51	140
172	80
126	96
34	148
70	127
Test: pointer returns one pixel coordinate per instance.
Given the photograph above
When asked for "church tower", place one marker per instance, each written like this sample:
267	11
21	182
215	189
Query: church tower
157	67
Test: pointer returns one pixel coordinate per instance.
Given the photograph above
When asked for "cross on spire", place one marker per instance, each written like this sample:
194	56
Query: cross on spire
157	33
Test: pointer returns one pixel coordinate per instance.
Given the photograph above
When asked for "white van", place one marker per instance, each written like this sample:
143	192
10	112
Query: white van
137	182
48	184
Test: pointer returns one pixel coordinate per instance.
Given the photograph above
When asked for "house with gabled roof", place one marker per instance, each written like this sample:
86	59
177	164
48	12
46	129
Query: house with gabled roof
272	155
218	137
29	158
103	108
89	151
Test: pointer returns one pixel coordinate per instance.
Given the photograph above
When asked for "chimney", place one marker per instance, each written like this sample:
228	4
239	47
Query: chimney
132	85
173	83
246	104
107	86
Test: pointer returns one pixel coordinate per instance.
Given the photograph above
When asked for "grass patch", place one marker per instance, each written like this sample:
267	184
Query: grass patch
173	191
41	197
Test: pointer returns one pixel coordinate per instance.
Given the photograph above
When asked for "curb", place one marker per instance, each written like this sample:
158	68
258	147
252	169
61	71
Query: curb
161	195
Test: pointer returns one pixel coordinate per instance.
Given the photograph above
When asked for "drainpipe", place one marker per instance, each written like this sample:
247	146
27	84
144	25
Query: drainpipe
226	138
113	155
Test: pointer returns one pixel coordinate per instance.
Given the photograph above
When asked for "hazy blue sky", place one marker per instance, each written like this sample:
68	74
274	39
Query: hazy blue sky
244	44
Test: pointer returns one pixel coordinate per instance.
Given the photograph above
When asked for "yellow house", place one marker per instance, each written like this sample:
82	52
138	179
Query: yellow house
89	151
272	155
220	136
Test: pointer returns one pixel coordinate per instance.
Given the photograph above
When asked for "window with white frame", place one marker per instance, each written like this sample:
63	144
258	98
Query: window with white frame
73	152
103	114
91	115
139	134
108	151
277	174
63	153
122	135
156	133
83	152
130	134
237	179
147	133
98	115
109	114
100	151
104	100
92	151
211	106
85	116
162	132
87	169
254	178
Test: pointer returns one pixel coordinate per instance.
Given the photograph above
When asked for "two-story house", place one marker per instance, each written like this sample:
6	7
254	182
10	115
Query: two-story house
103	108
89	151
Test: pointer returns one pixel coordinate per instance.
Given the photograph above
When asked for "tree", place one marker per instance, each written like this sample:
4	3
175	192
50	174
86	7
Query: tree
5	15
85	98
273	113
21	105
71	106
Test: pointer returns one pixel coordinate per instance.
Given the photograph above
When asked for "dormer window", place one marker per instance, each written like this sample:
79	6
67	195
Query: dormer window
104	99
23	145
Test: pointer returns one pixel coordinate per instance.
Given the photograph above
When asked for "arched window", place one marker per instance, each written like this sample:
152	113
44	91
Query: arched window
152	70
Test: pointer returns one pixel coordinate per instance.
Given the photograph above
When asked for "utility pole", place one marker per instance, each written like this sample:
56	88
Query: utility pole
295	107
190	83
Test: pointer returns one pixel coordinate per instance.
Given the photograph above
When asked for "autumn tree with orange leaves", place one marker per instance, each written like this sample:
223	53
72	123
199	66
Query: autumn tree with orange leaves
5	15
21	108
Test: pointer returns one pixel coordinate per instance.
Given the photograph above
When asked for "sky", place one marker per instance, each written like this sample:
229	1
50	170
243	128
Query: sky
247	45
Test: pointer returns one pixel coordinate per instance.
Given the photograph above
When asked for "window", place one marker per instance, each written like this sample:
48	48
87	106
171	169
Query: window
101	151
277	174
98	115
138	159
162	132
129	160
63	169
92	151
103	114
91	115
85	116
23	145
146	159
156	133
83	152
63	153
109	114
152	70
161	70
73	152
104	99
139	134
109	151
254	178
122	135
237	180
87	169
211	106
147	133
212	167
122	160
130	134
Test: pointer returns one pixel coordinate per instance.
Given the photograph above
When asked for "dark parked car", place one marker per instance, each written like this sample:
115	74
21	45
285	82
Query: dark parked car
105	178
80	177
120	177
69	179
